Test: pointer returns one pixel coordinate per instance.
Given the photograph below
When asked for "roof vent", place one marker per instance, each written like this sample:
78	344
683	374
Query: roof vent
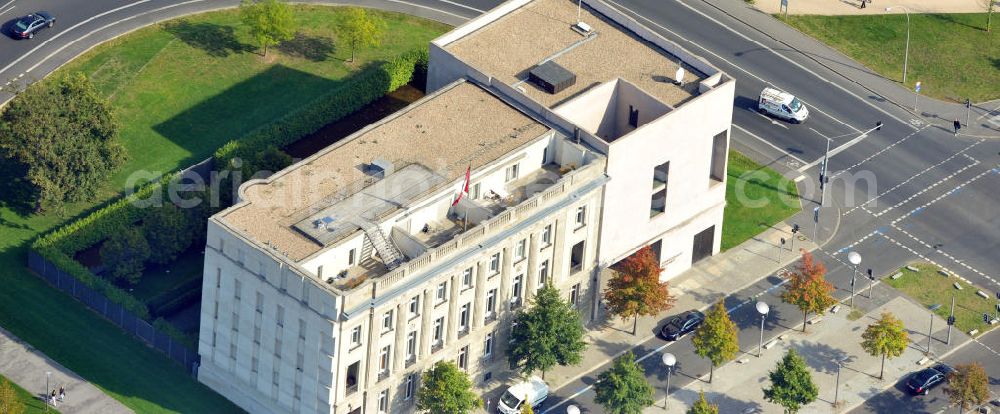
551	77
382	166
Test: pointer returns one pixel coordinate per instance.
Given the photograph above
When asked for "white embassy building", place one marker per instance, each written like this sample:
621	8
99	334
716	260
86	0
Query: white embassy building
330	285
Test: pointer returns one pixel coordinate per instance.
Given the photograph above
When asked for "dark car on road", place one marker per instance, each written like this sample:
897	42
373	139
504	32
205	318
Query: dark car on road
27	26
681	324
921	382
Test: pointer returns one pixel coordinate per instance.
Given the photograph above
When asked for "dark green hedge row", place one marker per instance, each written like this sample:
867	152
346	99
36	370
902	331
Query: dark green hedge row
180	296
354	93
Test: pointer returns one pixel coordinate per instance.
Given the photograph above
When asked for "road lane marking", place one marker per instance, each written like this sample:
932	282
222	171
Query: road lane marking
462	6
789	60
743	130
879	152
962	152
57	35
767	118
833	152
5	11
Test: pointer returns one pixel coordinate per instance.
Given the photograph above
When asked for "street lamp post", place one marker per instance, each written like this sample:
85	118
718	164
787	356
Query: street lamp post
669	360
836	389
47	375
930	329
572	409
855	260
762	308
906	54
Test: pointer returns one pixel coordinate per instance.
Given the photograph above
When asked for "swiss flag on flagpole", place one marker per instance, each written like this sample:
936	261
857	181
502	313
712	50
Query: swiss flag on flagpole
465	186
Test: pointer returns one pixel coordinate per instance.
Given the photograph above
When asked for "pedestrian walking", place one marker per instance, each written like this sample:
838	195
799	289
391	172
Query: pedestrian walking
958	125
863	3
62	393
53	397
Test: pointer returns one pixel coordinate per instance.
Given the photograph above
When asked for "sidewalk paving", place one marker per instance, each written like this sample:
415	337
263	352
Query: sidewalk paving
27	367
738	386
697	288
853	7
985	116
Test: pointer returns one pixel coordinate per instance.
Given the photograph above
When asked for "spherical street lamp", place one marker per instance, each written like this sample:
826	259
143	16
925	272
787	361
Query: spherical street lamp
762	309
669	360
572	409
855	260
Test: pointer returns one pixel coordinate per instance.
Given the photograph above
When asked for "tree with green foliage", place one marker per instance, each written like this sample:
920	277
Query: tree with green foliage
968	386
808	289
791	383
623	388
635	288
702	406
887	337
269	161
362	29
167	231
125	254
445	389
64	137
546	334
10	403
717	338
270	21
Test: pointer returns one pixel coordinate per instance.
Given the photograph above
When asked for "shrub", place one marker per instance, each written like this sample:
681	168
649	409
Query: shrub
168	232
125	254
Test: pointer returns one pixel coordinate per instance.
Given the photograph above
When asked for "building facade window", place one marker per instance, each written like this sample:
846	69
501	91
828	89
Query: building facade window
491	303
463	357
356	336
383	402
488	344
543	273
463	317
281	316
387	321
383	359
574	294
581	216
411	346
438	336
511	173
415	306
467	278
495	263
519	250
547	235
717	171
515	291
351	257
442	292
259	307
410	386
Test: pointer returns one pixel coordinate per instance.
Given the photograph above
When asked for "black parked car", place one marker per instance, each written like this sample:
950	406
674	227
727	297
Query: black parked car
27	26
681	324
922	382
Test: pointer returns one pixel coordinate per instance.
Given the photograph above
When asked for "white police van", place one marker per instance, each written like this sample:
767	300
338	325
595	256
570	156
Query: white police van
782	105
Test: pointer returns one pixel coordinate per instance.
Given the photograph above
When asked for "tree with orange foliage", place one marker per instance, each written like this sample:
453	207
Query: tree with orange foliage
808	289
635	290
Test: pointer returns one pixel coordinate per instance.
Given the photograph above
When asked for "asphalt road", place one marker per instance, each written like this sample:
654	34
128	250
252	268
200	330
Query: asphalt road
907	192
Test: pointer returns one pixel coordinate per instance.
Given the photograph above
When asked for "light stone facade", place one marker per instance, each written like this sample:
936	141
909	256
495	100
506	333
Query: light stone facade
305	307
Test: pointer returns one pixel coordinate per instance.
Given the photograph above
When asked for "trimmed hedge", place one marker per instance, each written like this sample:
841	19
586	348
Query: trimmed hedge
373	82
170	330
361	89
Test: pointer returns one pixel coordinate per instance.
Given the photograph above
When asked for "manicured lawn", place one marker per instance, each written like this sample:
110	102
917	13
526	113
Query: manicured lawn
180	89
929	287
183	88
32	404
950	54
757	197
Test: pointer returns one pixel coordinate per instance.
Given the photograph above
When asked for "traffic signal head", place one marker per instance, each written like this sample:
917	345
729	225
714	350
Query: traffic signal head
951	320
878	126
986	318
795	229
870	274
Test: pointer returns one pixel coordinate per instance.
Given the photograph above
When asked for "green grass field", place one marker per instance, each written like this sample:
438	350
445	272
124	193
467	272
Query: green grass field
929	287
32	403
180	89
183	88
951	55
757	197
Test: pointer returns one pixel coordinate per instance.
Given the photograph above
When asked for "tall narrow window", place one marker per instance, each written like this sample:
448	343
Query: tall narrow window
387	321
383	402
474	191
442	291
411	382
519	250
383	359
658	201
547	235
438	330
633	117
574	294
351	257
581	216
495	263
463	357
411	346
415	306
488	344
356	336
467	278
463	317
515	291
719	152
491	304
543	273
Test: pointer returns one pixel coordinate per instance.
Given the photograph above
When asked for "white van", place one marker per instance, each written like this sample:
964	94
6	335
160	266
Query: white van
782	105
534	390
